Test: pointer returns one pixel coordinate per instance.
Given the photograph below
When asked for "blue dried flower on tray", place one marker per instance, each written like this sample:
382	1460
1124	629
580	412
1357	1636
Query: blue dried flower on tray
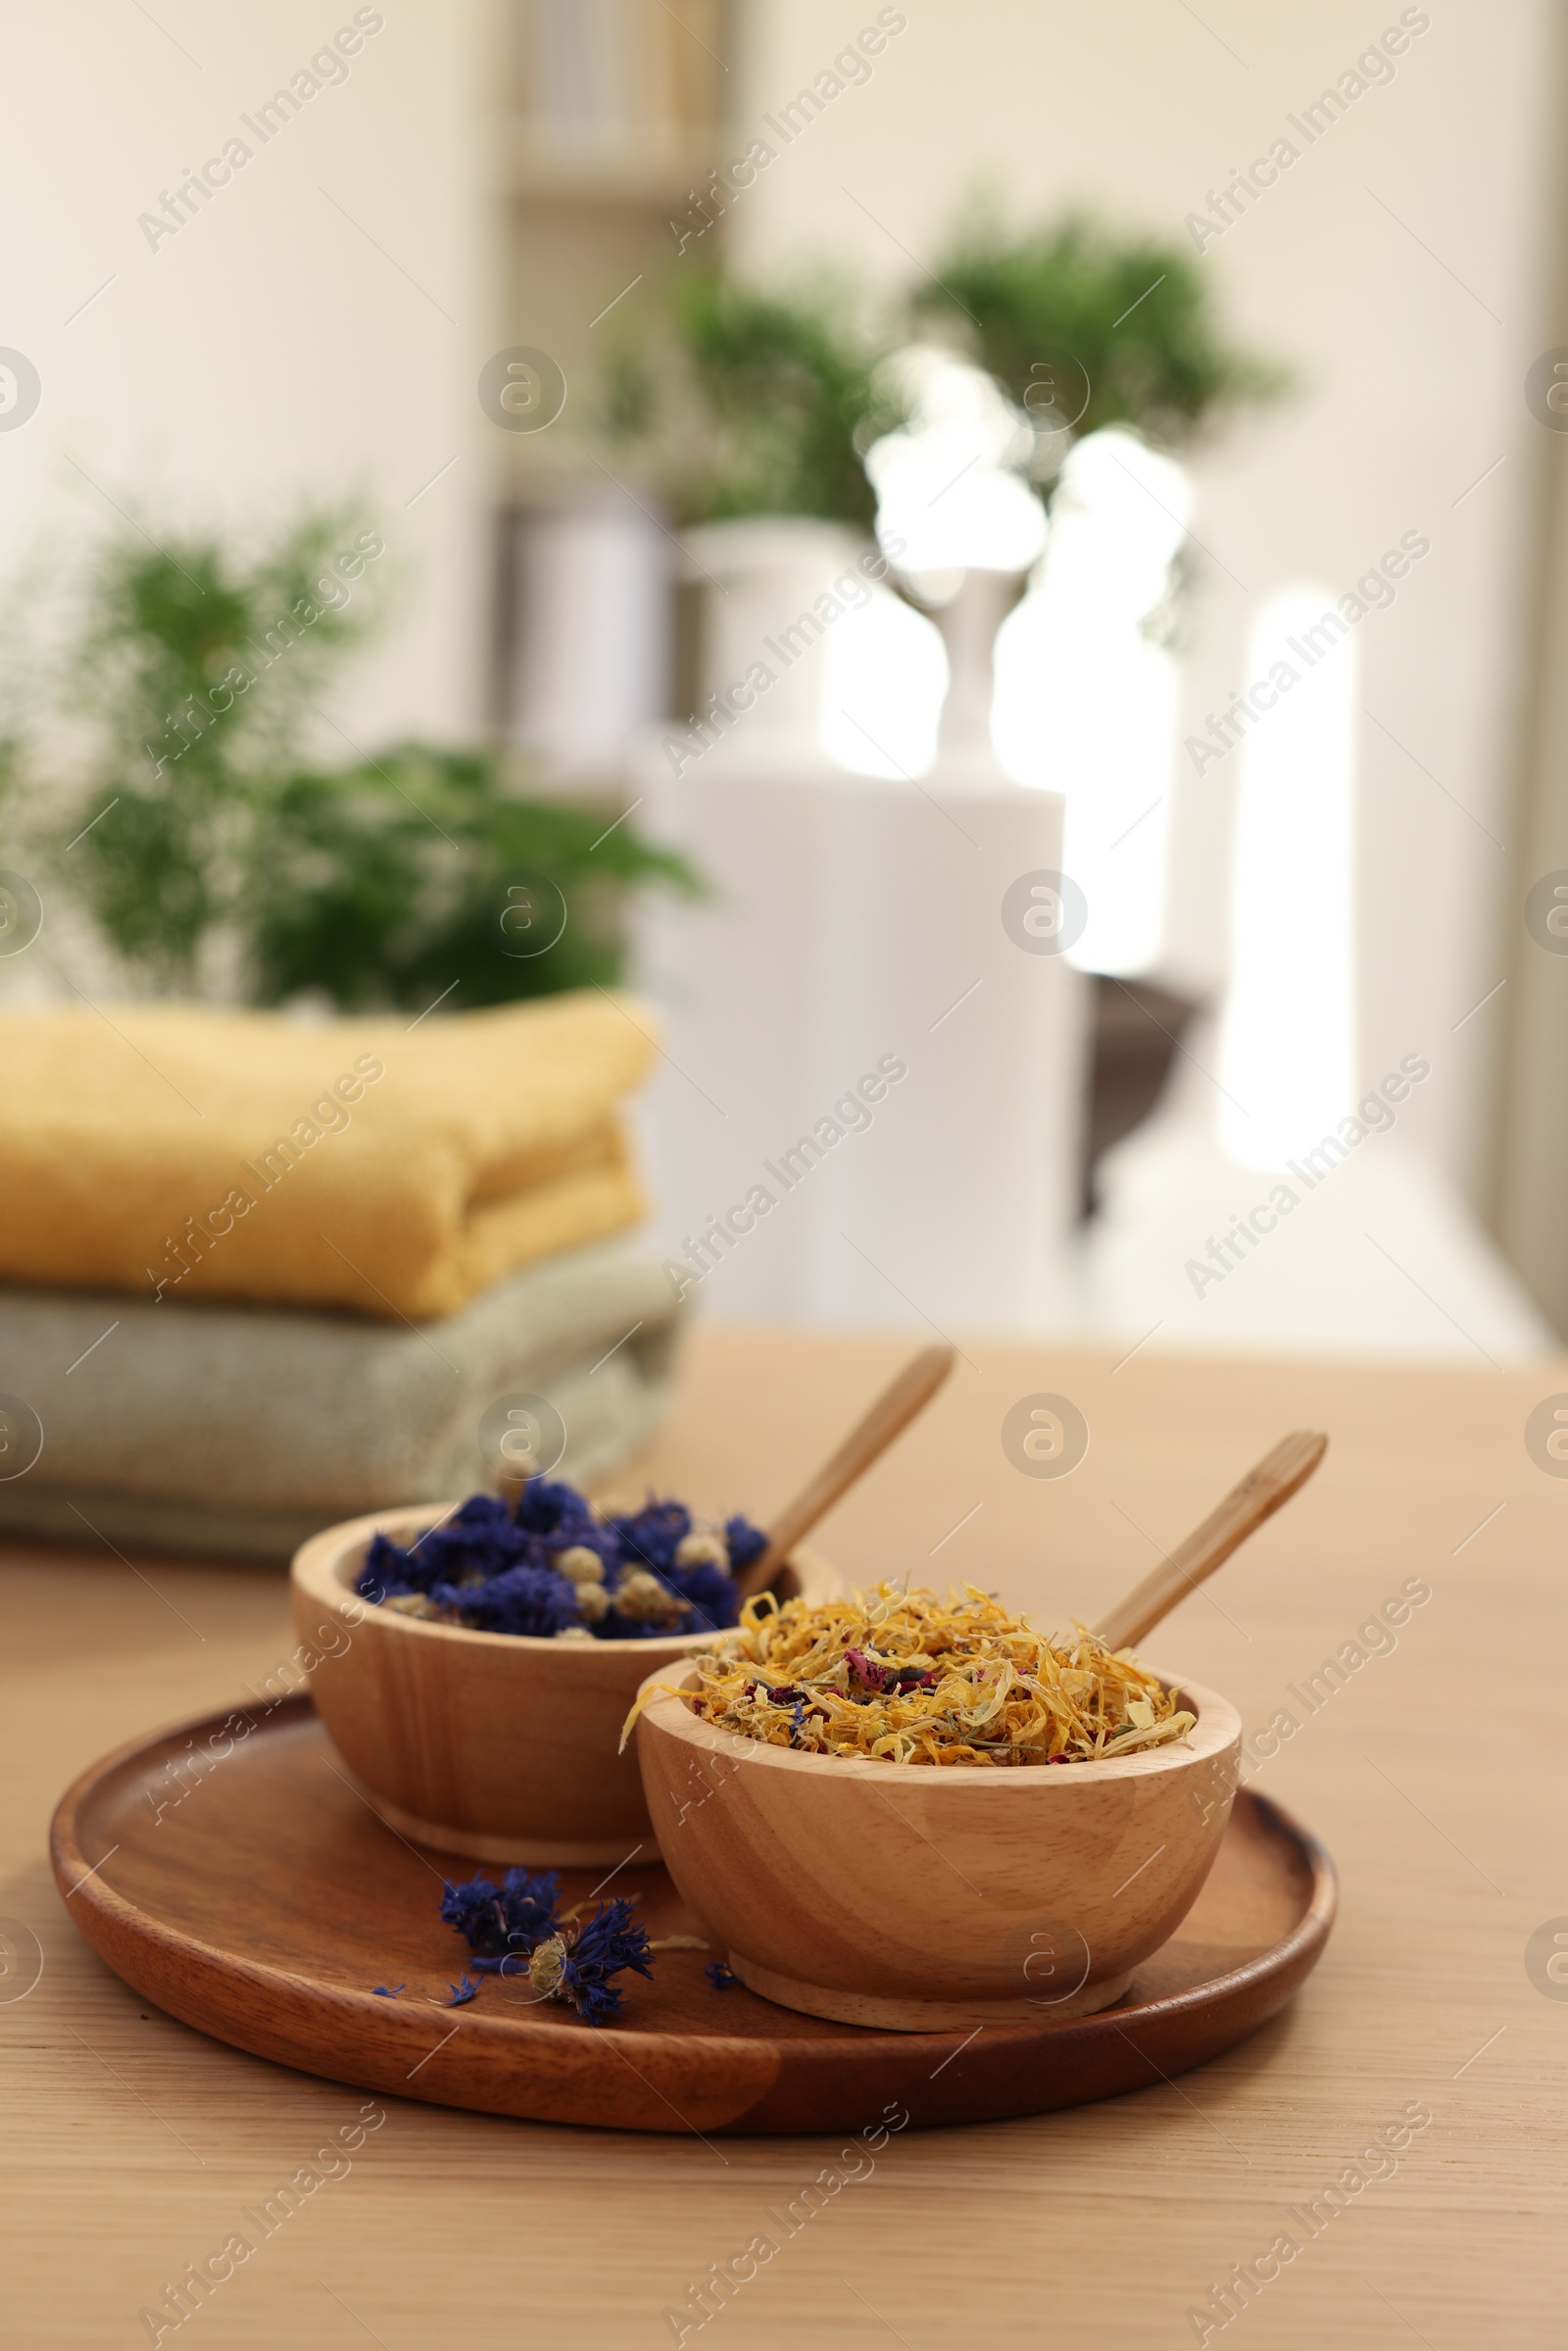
474	1909
531	1902
576	1966
497	1921
722	1978
512	1929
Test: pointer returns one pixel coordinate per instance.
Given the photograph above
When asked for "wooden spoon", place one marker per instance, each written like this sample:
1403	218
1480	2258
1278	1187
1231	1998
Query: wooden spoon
1243	1512
893	1409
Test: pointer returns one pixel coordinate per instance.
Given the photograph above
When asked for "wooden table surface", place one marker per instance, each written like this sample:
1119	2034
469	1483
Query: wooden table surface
1434	1776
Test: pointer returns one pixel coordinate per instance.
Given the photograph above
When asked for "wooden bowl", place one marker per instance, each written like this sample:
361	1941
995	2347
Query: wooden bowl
919	1898
494	1744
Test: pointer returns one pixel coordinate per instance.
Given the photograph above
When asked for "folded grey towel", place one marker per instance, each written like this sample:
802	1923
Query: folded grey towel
204	1426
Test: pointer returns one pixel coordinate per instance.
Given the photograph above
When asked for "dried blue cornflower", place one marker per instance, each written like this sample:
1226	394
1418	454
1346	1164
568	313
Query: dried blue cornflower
499	1570
388	1991
482	1518
706	1568
530	1902
610	1942
652	1536
691	1568
511	1929
576	1965
549	1506
720	1975
528	1599
709	1593
478	1542
501	1921
474	1909
745	1541
384	1573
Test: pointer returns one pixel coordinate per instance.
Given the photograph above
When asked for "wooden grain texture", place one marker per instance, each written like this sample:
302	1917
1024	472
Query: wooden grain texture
494	1744
1283	1471
238	1927
132	2143
921	1898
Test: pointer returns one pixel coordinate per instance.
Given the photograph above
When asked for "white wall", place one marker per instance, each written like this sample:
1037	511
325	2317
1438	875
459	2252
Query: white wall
270	353
272	350
1410	387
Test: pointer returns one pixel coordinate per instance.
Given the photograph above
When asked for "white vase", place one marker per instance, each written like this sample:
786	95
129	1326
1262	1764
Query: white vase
766	579
854	927
592	607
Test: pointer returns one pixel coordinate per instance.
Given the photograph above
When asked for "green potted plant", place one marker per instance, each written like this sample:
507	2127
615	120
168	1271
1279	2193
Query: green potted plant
424	872
1084	328
212	855
748	412
751	400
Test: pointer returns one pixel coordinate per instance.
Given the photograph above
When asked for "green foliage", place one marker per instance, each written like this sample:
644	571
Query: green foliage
197	670
755	403
763	399
1135	313
398	880
199	840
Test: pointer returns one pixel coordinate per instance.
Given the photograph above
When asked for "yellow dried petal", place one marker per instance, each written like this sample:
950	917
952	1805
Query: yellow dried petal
999	1694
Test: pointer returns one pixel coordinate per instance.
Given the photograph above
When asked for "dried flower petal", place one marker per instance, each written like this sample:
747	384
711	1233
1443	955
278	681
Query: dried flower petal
546	1965
556	1566
497	1921
702	1549
517	1929
598	1949
582	1565
905	1677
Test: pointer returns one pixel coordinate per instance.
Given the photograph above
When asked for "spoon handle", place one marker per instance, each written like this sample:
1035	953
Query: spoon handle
893	1409
1259	1494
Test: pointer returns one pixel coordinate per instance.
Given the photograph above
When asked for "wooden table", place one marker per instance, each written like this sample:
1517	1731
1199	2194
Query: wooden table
1435	1777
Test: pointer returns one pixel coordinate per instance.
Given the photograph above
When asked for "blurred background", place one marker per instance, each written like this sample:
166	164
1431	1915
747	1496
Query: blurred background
1002	563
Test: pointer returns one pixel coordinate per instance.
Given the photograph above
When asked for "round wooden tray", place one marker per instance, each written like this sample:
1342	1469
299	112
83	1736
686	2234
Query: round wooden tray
256	1895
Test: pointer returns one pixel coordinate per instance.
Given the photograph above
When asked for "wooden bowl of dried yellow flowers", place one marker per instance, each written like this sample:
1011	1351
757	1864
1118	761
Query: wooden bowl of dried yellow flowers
473	1665
895	1811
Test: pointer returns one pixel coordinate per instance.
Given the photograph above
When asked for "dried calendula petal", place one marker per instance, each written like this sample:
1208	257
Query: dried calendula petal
909	1678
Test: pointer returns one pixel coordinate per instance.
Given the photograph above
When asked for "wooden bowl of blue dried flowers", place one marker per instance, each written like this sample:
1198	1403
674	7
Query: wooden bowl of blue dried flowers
474	1665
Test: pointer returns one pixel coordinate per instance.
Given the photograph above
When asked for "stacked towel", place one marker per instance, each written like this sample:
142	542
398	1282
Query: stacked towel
391	1167
257	1275
244	1429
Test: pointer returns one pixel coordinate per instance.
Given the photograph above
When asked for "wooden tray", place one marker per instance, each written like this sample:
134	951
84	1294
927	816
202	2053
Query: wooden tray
263	1903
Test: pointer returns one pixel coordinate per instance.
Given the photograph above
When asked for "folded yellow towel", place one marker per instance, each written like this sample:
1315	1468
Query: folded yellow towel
393	1168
